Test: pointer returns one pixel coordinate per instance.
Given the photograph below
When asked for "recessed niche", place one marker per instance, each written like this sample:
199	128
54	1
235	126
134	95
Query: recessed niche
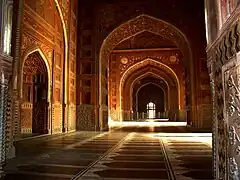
86	82
86	53
87	40
58	60
86	68
86	97
57	95
58	77
87	25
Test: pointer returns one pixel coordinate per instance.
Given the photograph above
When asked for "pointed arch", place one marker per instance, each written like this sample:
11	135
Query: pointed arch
166	94
46	61
156	76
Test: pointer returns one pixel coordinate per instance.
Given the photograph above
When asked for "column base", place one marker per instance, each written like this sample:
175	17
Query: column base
2	174
11	152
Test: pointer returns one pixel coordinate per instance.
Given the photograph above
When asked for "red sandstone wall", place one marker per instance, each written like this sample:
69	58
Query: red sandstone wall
42	29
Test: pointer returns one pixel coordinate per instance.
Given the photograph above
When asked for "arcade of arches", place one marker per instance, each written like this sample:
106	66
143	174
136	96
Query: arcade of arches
79	65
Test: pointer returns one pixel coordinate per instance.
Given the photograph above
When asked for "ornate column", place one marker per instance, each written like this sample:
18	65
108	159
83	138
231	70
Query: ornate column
211	66
5	73
16	59
6	137
224	71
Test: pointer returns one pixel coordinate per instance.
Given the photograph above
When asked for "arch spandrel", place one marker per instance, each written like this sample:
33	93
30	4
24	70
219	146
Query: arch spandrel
170	57
145	23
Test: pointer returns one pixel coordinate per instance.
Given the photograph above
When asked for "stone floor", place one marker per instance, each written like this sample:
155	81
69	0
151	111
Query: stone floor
131	153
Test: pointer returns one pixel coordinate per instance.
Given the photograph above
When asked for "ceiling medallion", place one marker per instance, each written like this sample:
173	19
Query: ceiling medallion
124	60
173	59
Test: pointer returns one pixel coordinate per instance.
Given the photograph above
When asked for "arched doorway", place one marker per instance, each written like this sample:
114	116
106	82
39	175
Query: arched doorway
147	80
150	100
34	107
151	110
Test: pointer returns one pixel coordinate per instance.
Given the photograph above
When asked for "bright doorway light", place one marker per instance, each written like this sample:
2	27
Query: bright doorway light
151	110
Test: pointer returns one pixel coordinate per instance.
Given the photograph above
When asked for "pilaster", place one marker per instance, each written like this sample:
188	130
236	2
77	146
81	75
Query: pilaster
16	59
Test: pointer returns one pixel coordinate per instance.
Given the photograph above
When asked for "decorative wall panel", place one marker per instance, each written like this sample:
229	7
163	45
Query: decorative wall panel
86	117
26	118
57	118
72	117
205	116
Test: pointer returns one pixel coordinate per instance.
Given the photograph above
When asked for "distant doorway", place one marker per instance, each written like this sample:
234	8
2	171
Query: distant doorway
151	110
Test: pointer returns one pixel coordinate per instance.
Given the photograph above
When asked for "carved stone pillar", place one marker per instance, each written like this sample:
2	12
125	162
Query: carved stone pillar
210	65
224	71
231	90
16	59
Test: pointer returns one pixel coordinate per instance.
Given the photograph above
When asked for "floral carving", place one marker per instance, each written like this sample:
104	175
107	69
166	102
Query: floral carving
236	123
232	136
233	168
34	65
231	110
238	150
233	96
232	117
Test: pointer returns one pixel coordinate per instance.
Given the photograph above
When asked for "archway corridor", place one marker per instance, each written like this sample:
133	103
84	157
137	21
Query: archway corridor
120	89
122	153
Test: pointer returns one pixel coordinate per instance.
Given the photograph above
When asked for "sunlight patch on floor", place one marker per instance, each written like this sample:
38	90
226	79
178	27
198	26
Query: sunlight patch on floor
145	123
205	138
